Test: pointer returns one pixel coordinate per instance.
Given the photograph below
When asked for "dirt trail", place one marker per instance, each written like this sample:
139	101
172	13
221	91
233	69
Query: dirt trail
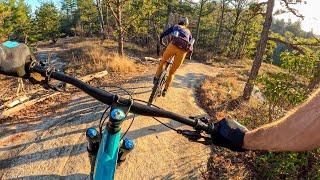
55	147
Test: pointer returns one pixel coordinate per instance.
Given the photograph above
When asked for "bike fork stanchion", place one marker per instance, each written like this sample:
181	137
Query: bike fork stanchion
127	145
93	138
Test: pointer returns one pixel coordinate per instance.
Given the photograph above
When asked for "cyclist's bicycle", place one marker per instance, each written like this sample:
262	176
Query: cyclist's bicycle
107	146
159	84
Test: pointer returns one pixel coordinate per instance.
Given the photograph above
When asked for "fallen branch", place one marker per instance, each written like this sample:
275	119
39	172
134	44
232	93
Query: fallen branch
22	103
97	75
16	101
90	77
12	111
151	59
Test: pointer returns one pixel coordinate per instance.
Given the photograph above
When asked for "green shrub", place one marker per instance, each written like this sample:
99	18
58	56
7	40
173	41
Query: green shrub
282	91
288	165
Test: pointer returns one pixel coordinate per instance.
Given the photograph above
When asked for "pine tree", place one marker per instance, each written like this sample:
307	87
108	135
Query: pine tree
47	21
5	13
21	21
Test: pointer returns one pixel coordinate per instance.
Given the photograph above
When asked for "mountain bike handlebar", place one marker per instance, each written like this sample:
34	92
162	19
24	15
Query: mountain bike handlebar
108	98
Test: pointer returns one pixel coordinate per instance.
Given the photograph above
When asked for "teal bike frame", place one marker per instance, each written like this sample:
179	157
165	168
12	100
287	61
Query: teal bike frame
107	156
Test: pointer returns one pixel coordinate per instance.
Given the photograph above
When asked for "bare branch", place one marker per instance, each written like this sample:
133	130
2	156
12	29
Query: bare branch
294	47
113	12
317	39
292	10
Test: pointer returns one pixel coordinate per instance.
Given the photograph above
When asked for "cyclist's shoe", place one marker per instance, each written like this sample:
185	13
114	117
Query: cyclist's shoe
164	92
155	80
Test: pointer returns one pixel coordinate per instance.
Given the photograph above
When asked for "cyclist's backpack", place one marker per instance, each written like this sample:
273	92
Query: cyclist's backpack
181	38
181	43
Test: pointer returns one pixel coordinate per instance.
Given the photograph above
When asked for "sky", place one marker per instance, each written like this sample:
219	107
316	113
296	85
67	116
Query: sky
36	3
311	11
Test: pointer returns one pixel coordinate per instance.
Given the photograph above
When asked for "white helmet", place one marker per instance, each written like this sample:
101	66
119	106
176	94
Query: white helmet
184	21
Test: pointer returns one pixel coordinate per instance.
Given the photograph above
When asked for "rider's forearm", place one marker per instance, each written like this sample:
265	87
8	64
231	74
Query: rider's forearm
298	131
166	33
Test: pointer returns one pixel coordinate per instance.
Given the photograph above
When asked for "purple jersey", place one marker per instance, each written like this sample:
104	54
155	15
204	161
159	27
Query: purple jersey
184	33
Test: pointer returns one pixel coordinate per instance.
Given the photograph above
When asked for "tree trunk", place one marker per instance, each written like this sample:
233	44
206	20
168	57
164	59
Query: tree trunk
218	36
101	19
169	13
26	38
234	32
242	42
199	20
120	43
260	51
107	23
121	31
316	78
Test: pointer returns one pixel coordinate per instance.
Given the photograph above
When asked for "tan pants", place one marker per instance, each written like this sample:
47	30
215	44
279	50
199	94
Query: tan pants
179	56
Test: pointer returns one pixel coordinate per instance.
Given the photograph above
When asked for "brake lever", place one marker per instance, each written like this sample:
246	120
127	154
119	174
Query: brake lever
44	81
191	135
204	119
195	136
48	86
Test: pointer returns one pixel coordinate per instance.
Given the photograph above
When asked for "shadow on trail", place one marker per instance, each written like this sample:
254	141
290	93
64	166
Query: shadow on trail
83	110
192	174
54	177
76	109
188	81
73	150
70	150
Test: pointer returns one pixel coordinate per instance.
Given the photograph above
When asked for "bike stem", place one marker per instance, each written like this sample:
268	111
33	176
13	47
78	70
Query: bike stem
119	111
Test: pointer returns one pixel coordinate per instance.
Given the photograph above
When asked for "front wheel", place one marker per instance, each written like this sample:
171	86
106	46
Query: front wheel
157	88
154	93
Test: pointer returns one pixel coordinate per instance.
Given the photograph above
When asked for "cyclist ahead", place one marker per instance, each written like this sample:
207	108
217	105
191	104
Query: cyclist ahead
180	45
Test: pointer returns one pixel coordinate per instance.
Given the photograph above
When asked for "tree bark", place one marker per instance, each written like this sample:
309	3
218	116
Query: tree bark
316	78
260	51
101	19
169	13
117	14
121	30
234	28
202	2
218	36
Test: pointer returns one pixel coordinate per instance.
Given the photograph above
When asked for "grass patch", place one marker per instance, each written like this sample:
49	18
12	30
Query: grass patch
219	97
89	57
